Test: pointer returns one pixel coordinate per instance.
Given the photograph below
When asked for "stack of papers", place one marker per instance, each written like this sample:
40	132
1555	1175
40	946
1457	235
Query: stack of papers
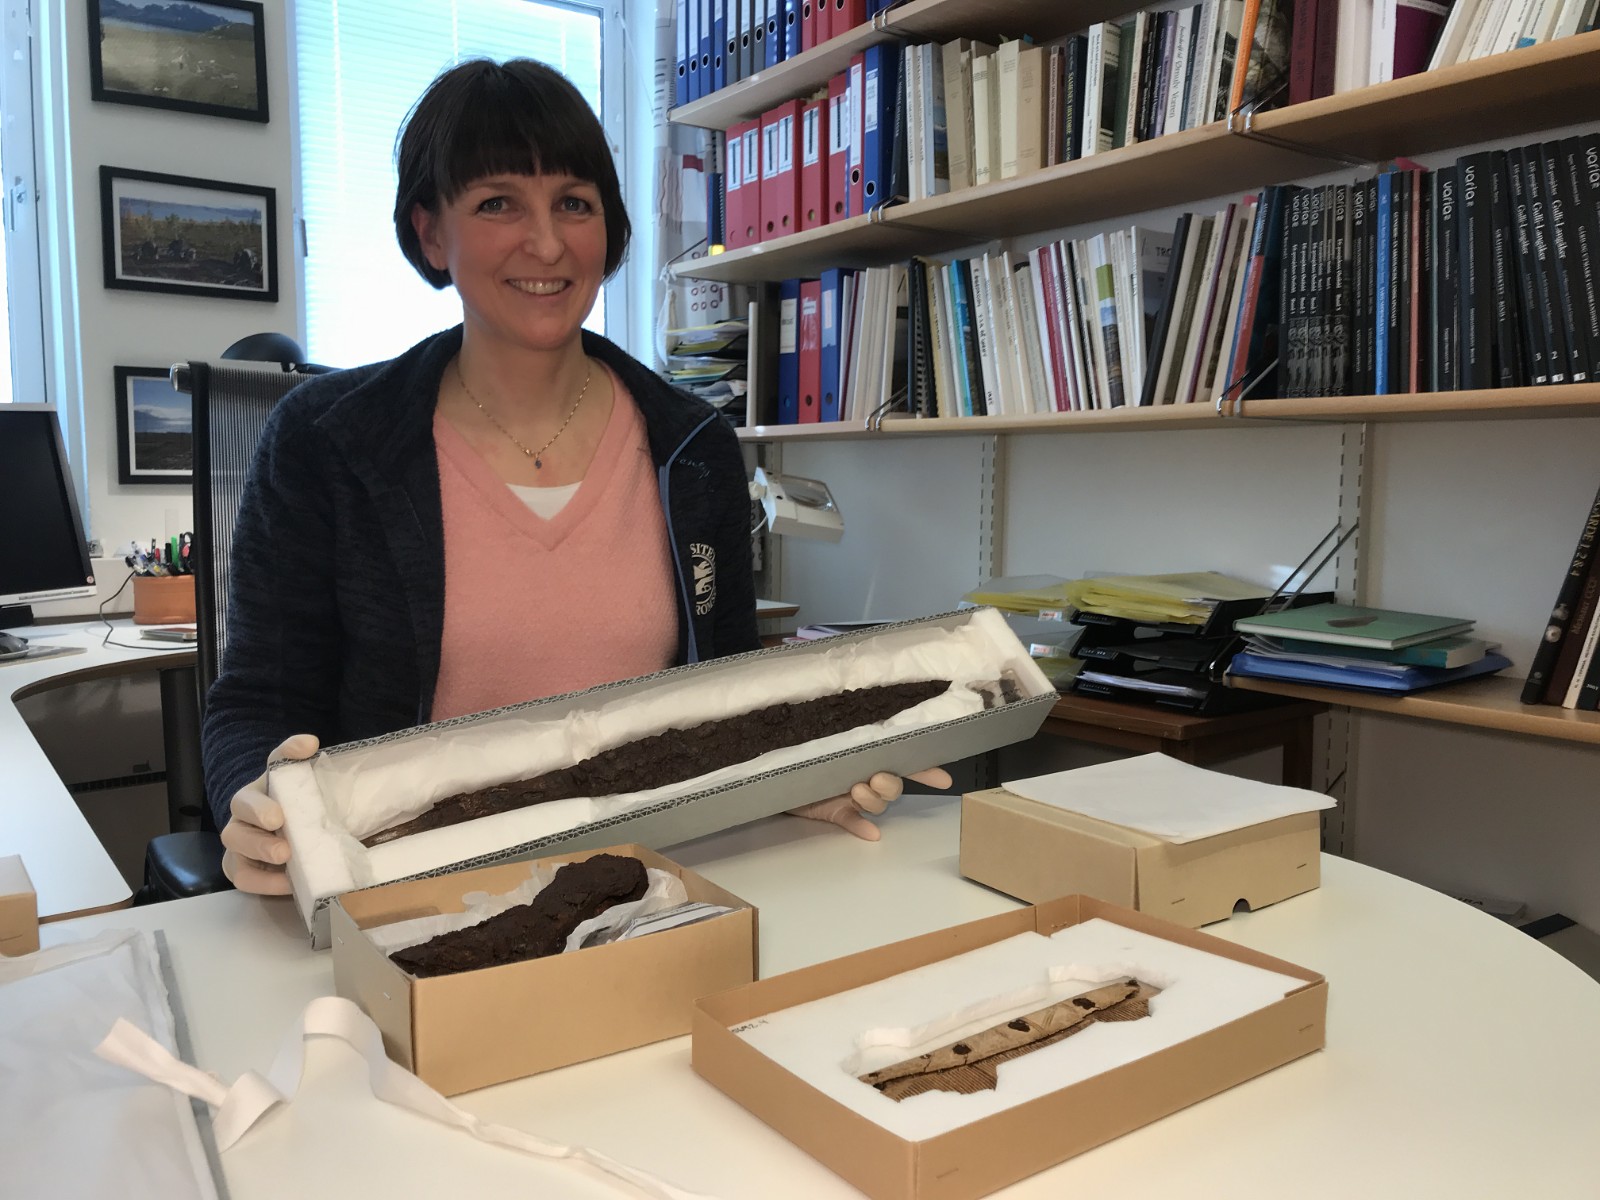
1166	798
1186	599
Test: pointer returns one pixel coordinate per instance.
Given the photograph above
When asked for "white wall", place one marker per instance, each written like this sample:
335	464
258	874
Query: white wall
106	328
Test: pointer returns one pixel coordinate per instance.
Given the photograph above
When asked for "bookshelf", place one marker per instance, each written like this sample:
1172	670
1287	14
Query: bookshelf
1490	703
919	20
1571	400
1490	98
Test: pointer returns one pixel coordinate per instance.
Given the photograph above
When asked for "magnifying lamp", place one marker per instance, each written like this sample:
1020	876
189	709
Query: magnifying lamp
797	507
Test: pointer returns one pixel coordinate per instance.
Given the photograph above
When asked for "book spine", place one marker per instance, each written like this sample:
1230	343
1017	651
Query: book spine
1446	282
1544	657
1054	97
1077	64
1566	263
1547	282
1422	272
1588	698
1325	48
1339	295
1360	321
1382	293
1572	658
1507	334
1302	50
1317	294
1536	368
1400	306
1585	238
1474	298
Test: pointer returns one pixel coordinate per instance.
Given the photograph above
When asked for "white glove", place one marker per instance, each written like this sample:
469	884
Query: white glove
254	851
876	794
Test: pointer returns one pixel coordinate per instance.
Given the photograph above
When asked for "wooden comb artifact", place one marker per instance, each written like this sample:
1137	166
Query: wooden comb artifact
972	1064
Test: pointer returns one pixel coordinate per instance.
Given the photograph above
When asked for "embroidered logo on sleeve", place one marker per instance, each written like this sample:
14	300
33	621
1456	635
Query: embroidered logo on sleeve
705	577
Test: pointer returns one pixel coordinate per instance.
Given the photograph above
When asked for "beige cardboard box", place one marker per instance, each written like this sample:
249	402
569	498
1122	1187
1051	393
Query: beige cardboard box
989	1154
1036	852
19	909
470	1030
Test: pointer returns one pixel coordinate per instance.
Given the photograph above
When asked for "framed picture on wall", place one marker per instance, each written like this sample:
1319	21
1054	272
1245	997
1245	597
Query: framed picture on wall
155	428
194	237
194	57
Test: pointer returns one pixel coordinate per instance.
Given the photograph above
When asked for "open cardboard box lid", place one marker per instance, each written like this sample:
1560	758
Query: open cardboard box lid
696	813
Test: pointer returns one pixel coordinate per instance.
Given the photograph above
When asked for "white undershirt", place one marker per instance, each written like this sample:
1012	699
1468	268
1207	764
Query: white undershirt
545	502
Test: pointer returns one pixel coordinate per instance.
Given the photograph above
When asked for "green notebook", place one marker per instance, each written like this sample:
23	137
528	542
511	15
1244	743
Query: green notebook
1348	625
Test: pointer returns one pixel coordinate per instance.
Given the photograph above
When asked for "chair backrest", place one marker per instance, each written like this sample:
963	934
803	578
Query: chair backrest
231	404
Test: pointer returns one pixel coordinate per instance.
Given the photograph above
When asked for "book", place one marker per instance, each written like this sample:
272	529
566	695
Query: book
1455	651
1544	658
1354	625
1378	677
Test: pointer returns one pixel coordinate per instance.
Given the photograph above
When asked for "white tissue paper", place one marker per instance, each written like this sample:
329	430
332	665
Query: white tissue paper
1166	798
128	1048
831	1041
71	1125
344	794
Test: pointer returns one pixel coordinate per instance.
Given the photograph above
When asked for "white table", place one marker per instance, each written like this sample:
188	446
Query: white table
1463	1057
39	819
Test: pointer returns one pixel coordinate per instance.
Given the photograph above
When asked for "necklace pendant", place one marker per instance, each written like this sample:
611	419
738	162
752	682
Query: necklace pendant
538	463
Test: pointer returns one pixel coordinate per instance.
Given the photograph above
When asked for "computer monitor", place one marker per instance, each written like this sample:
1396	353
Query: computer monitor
46	556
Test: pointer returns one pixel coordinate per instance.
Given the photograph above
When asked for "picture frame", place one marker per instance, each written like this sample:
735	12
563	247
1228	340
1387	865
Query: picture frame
155	428
187	236
201	56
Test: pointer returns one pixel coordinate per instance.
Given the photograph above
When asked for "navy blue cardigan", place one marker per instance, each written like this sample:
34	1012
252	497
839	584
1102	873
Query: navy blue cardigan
336	610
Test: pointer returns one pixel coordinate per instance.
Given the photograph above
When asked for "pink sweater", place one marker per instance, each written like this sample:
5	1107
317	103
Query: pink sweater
535	608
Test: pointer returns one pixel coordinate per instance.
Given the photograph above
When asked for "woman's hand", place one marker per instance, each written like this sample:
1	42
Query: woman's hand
850	810
253	850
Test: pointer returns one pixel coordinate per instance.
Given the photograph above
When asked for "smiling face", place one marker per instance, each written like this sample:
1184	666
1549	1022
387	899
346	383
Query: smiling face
526	253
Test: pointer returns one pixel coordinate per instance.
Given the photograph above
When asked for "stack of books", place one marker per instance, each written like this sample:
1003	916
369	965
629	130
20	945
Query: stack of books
1164	639
1372	649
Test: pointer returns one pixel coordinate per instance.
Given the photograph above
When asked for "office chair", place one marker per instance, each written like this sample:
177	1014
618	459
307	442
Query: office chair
231	404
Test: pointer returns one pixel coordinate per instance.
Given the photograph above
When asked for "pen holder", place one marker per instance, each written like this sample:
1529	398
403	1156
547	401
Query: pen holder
163	599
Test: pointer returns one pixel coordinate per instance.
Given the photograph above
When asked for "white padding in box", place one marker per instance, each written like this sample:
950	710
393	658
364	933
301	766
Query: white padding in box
830	1041
333	800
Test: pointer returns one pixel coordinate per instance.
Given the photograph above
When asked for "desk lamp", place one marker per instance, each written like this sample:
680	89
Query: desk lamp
797	507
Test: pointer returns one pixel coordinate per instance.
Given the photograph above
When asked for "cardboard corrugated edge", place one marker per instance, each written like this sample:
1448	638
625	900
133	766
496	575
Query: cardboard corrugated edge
466	1031
1192	883
1004	1148
766	794
19	908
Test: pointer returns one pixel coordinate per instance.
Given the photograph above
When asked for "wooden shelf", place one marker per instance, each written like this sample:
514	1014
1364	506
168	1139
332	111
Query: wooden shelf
1490	703
824	431
922	20
1492	97
1570	400
1573	400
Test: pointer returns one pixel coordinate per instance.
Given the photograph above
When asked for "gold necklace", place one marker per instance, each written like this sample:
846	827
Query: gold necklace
536	455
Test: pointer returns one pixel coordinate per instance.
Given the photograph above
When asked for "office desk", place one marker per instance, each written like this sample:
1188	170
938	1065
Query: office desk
39	819
1462	1055
1189	737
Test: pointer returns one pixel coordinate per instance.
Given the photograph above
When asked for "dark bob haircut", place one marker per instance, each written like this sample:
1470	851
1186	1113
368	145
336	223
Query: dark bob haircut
483	118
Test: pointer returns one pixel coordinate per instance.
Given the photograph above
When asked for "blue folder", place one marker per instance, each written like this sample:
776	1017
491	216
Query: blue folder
877	142
829	384
789	352
1404	679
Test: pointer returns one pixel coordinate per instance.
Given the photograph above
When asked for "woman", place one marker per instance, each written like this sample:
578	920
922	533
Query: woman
512	509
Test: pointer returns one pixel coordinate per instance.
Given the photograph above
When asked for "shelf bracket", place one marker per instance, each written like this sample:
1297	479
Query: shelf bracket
1241	121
